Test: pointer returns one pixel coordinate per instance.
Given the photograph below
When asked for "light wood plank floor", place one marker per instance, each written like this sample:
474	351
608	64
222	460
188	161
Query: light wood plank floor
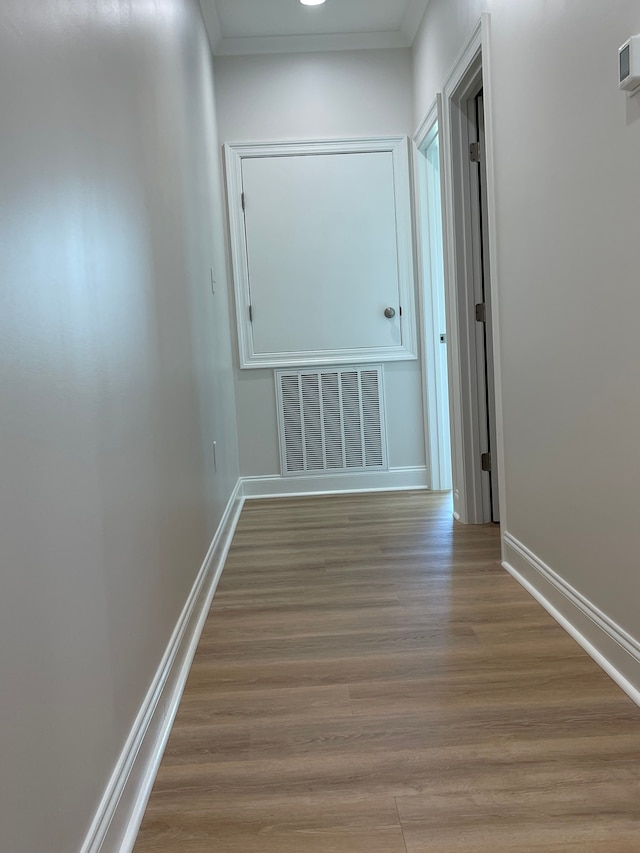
370	680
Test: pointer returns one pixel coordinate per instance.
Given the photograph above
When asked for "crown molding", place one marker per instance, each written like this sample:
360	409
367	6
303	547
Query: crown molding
307	44
402	38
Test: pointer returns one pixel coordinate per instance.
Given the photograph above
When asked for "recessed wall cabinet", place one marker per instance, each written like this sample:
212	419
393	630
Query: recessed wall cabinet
322	251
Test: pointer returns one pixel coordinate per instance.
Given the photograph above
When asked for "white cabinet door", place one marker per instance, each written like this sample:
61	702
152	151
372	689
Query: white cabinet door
322	249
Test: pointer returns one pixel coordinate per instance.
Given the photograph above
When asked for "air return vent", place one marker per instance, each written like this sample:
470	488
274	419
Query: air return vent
331	420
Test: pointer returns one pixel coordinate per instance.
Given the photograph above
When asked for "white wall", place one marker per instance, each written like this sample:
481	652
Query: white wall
307	96
567	186
444	30
115	378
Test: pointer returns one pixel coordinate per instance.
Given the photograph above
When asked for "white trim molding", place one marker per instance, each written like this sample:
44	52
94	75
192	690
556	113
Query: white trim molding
253	45
395	479
428	123
613	648
398	149
118	817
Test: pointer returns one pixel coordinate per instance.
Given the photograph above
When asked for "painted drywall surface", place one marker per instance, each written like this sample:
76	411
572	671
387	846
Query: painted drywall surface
115	377
444	30
318	96
314	95
567	185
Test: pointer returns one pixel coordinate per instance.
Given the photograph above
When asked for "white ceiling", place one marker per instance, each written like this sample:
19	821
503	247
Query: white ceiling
282	26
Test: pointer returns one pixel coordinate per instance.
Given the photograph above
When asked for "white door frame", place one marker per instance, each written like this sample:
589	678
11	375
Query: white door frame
469	498
434	357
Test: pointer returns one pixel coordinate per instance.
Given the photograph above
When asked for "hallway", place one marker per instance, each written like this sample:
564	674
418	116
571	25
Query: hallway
370	680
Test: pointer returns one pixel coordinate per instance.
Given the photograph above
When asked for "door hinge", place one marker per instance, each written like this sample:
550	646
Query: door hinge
242	199
486	462
400	307
474	152
481	312
250	313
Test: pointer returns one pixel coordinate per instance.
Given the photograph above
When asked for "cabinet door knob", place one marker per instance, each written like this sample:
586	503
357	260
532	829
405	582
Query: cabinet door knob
389	312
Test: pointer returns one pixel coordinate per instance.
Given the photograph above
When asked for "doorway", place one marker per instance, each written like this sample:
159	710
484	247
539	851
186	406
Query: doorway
470	290
429	172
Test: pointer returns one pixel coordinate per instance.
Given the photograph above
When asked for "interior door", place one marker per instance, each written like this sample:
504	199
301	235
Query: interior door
322	252
486	327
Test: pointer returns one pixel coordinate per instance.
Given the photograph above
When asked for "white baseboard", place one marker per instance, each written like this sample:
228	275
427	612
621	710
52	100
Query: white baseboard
120	812
613	648
395	479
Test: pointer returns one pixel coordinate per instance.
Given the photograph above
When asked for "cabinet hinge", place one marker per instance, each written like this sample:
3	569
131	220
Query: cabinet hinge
474	152
250	314
242	199
481	312
486	461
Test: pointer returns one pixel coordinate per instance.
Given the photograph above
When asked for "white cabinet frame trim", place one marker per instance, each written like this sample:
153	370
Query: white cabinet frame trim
398	147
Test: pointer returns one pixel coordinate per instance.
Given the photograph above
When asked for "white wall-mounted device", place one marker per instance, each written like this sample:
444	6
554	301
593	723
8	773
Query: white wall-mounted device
629	65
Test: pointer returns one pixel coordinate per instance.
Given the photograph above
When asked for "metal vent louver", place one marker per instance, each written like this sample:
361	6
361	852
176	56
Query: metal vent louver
331	420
